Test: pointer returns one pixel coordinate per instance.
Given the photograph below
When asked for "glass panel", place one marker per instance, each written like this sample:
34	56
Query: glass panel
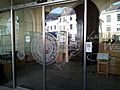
5	49
93	83
27	38
103	74
64	70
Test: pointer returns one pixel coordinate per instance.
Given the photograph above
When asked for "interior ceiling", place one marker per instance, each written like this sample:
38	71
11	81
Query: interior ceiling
7	3
101	4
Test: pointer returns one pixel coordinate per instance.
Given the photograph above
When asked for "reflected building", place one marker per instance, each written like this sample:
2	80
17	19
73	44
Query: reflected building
110	19
61	22
63	25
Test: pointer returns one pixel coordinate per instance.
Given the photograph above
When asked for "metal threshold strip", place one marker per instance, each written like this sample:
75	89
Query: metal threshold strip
34	4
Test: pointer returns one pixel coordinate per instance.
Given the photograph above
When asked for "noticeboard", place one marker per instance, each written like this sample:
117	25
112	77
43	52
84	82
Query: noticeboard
102	56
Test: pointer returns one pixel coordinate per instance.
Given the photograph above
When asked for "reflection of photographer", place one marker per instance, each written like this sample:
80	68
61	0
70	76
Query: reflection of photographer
61	53
109	44
61	47
60	61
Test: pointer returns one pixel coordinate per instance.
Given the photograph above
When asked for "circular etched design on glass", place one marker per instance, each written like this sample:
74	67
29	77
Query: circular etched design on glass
50	51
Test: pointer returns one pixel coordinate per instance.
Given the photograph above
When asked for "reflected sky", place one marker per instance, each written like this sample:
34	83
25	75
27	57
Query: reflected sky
116	3
57	10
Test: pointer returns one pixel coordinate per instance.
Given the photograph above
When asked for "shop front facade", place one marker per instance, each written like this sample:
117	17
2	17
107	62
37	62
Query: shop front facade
43	48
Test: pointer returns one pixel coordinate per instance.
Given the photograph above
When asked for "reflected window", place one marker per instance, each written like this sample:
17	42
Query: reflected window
118	29
64	27
118	17
108	18
63	19
108	28
60	19
71	26
70	18
55	27
60	27
51	27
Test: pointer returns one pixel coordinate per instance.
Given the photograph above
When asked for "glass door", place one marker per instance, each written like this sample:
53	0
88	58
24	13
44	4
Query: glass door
64	66
63	48
104	64
28	37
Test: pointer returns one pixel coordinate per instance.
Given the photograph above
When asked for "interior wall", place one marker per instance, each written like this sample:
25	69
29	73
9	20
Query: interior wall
4	3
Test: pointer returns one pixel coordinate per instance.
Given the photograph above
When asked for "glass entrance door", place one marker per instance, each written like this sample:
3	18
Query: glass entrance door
63	49
29	72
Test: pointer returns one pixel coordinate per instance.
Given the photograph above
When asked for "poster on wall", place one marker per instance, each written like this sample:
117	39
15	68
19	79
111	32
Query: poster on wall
88	46
27	39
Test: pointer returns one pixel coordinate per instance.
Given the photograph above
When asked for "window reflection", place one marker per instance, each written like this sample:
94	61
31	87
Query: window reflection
118	17
110	36
108	18
65	28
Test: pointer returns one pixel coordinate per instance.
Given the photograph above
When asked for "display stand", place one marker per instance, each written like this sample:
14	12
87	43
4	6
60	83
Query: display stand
103	63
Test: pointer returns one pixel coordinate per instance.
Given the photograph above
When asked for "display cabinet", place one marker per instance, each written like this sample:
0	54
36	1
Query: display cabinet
5	43
103	63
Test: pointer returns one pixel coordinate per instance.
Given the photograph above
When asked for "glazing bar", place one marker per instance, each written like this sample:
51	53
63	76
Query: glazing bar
85	32
44	48
13	45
